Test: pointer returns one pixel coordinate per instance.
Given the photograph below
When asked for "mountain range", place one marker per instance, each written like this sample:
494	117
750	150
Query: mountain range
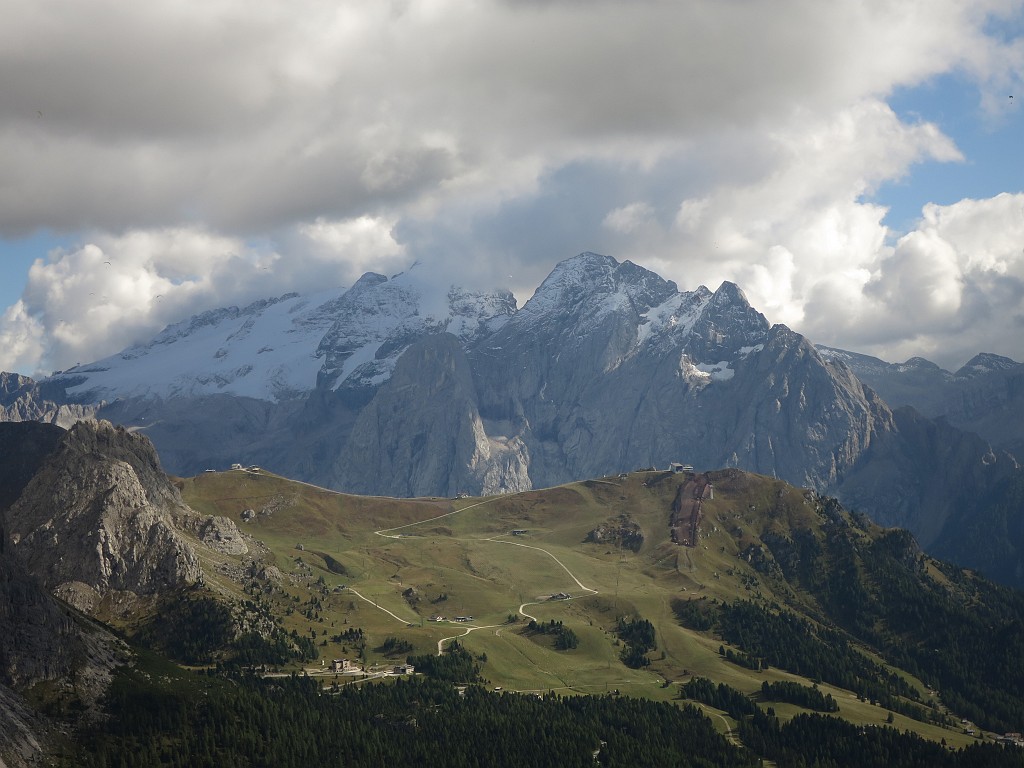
985	395
395	388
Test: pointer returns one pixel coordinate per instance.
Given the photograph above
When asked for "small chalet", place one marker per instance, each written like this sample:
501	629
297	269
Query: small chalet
404	669
342	665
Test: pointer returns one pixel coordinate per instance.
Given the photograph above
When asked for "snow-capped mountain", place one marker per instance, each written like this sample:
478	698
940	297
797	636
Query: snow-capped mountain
395	387
281	348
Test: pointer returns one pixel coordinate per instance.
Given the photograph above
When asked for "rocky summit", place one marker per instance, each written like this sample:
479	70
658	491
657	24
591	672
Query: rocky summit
102	501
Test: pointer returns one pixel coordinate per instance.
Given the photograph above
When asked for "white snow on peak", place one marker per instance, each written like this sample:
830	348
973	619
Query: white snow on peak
571	281
582	292
720	371
265	351
277	349
375	323
674	317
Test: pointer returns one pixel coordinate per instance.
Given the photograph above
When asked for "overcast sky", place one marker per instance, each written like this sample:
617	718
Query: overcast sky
854	165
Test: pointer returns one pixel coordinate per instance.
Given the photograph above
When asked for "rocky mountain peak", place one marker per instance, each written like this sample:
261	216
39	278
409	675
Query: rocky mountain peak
727	325
729	294
23	399
983	363
11	386
369	280
589	286
102	501
378	319
920	364
101	440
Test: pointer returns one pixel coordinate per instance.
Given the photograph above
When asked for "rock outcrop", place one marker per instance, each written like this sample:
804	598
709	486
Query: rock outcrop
42	641
101	501
217	532
23	399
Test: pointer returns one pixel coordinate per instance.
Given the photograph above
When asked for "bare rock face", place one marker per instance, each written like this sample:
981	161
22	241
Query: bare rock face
40	640
439	446
23	399
217	532
24	447
97	519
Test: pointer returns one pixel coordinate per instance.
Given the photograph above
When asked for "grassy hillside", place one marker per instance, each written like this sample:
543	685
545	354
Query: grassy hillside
330	564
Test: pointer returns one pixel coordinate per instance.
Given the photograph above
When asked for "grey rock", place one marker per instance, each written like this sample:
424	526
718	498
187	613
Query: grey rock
23	399
985	396
437	447
99	514
217	532
42	641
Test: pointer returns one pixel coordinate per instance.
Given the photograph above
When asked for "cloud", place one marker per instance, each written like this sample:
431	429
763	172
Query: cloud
22	339
241	118
951	288
91	301
629	218
217	152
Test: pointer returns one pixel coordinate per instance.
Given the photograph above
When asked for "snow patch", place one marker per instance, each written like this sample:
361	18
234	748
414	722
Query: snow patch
720	371
200	356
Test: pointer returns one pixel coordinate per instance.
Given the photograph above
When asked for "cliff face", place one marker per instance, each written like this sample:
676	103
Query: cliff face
22	399
985	396
610	368
422	433
97	519
41	641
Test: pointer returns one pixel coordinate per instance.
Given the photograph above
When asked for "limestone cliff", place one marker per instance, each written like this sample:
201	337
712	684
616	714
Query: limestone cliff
96	520
22	399
439	446
42	641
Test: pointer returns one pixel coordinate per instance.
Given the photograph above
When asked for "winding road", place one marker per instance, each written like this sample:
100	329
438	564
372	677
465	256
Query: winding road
378	605
388	533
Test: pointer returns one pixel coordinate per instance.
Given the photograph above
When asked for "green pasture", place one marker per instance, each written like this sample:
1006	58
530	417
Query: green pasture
421	558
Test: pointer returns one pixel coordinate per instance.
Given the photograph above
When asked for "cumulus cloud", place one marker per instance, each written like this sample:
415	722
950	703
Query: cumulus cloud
217	152
113	291
22	339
